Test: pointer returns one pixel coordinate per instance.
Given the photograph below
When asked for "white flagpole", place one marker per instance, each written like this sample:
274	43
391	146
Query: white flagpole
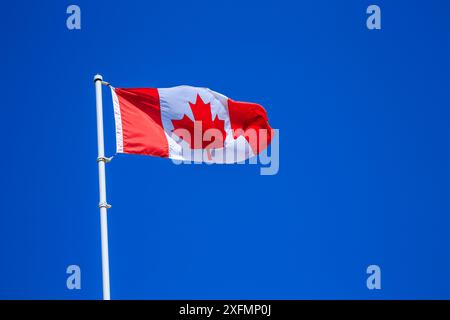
103	205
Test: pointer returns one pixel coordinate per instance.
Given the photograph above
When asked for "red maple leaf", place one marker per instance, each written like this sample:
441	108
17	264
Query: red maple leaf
204	132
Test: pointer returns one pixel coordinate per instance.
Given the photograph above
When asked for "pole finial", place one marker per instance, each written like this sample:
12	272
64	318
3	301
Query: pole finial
98	77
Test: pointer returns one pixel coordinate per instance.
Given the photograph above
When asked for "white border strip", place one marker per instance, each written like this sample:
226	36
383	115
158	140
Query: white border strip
118	121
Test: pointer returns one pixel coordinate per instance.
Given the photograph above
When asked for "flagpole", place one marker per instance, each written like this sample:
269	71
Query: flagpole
103	205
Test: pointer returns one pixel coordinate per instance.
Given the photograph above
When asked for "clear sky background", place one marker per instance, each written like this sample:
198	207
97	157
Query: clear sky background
364	156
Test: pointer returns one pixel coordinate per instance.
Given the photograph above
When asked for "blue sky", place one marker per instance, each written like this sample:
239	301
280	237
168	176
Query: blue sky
364	158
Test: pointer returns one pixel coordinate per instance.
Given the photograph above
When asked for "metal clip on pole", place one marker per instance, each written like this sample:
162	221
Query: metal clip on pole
104	205
104	159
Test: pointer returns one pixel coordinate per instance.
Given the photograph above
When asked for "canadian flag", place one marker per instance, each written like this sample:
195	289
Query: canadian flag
188	123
